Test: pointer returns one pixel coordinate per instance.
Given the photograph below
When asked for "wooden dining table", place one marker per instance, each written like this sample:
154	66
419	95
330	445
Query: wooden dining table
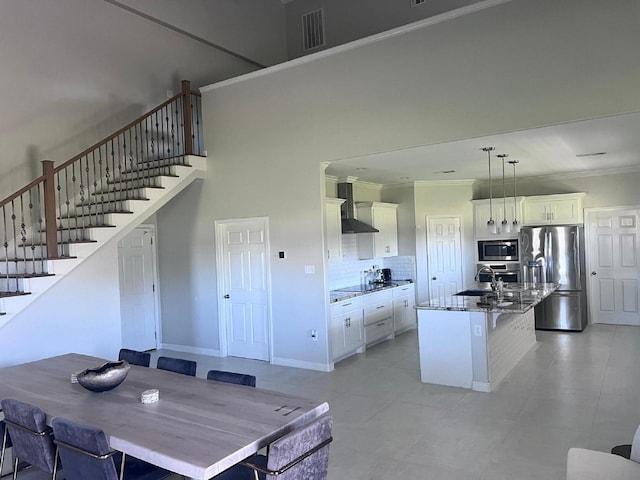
198	428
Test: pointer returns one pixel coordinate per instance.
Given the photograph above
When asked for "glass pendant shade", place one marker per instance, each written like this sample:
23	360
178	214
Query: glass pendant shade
492	228
516	225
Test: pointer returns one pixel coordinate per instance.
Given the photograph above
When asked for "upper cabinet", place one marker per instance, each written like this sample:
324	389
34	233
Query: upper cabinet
382	216
553	209
482	213
333	230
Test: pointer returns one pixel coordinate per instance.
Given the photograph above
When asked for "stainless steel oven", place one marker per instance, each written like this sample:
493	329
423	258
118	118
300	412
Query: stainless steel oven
498	250
507	272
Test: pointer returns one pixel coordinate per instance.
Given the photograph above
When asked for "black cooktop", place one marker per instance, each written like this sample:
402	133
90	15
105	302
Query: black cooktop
368	287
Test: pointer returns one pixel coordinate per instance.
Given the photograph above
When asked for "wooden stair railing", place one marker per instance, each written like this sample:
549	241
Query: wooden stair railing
40	221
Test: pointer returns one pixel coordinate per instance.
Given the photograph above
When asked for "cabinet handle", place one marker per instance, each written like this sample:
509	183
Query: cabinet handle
381	306
406	303
379	324
347	322
346	304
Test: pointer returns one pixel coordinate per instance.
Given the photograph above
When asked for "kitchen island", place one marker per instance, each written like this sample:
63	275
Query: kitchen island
474	340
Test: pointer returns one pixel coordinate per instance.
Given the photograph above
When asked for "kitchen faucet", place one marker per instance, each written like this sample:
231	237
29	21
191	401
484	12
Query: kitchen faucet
494	284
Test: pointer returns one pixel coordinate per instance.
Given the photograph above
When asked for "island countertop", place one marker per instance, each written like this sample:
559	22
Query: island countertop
516	299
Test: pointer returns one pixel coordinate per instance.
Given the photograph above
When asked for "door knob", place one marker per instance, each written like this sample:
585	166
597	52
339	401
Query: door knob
226	296
434	278
593	273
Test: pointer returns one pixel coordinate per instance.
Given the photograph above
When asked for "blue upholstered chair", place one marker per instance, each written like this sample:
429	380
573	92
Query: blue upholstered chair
300	455
86	454
232	377
135	357
31	437
178	365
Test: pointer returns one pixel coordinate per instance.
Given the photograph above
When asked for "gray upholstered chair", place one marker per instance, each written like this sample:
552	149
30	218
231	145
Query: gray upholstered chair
232	377
593	465
135	357
6	442
31	437
300	455
178	365
86	454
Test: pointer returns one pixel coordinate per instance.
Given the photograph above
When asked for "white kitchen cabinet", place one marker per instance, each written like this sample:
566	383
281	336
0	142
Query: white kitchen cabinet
482	213
384	217
378	316
404	313
346	327
333	230
553	209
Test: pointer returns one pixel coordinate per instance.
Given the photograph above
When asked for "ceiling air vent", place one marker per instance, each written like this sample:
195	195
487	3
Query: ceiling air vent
313	30
415	3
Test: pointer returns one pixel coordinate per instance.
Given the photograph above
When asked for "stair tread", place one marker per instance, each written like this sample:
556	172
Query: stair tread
145	177
25	275
37	259
13	294
80	227
95	214
107	202
155	167
125	190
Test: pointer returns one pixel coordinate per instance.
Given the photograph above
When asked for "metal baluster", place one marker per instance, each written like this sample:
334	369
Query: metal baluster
23	234
34	230
59	225
99	176
110	187
196	133
168	138
142	160
176	121
6	246
39	194
67	203
82	197
15	242
73	191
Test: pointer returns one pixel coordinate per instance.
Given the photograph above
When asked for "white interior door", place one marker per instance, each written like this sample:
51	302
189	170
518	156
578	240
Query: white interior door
444	255
613	266
136	258
245	262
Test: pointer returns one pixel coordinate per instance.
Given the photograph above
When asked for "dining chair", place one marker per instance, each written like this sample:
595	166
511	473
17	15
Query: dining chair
135	357
232	377
178	365
301	454
85	453
6	442
31	437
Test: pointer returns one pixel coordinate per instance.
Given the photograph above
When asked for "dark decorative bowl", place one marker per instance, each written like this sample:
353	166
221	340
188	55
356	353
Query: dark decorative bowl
105	377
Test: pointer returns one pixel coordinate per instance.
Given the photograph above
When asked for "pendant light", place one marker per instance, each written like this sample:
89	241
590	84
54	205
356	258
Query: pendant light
516	224
505	227
491	225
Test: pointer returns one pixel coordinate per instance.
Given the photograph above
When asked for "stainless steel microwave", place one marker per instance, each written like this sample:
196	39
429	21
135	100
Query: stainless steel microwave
498	250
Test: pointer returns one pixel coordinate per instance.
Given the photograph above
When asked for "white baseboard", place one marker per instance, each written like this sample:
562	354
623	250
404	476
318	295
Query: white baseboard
480	386
186	349
288	362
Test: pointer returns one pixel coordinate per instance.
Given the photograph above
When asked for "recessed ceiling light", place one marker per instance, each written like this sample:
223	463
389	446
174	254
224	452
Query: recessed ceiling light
445	172
594	154
359	169
405	178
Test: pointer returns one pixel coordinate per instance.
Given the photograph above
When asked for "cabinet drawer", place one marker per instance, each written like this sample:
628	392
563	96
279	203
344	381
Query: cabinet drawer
404	290
337	308
377	313
383	296
378	330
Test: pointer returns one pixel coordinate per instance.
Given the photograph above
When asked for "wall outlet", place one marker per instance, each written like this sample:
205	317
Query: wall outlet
309	269
477	331
314	335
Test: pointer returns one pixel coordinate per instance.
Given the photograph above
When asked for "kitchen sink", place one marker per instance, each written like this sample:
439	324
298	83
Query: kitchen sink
474	293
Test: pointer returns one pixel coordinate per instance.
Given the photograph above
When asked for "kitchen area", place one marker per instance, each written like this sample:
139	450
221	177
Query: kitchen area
527	277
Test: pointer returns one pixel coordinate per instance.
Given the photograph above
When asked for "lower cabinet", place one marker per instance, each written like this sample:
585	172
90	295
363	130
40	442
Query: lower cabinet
346	327
378	316
404	313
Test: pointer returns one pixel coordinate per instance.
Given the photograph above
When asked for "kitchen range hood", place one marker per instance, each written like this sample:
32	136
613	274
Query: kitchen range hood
349	222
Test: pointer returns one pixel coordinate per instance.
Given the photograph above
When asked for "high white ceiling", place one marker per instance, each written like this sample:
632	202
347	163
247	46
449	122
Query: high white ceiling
558	149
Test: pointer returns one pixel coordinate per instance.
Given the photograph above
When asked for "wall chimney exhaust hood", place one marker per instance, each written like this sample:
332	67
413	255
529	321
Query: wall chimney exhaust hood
349	222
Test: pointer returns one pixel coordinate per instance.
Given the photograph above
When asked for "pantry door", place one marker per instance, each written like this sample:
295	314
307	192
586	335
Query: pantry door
444	255
613	266
243	255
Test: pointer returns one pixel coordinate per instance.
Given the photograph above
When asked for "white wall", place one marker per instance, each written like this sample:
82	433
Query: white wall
354	19
80	314
75	71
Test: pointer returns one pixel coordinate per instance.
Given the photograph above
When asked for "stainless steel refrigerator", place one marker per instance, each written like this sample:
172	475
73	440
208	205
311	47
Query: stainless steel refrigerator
559	250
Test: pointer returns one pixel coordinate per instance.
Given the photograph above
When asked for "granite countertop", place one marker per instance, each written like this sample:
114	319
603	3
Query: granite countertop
516	299
357	290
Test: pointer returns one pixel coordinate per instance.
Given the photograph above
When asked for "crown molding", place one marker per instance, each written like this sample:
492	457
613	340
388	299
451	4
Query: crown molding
570	175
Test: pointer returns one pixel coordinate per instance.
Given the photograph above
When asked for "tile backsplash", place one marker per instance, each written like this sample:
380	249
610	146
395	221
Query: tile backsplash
349	271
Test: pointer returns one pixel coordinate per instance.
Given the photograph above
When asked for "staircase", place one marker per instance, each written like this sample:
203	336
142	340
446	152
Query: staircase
56	222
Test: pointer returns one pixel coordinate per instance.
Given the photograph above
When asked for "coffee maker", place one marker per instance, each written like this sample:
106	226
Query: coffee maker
386	274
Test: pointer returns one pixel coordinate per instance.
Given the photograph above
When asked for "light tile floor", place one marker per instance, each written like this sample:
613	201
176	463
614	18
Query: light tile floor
572	389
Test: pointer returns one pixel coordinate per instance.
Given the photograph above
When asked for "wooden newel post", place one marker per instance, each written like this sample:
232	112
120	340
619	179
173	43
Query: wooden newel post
187	119
50	224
